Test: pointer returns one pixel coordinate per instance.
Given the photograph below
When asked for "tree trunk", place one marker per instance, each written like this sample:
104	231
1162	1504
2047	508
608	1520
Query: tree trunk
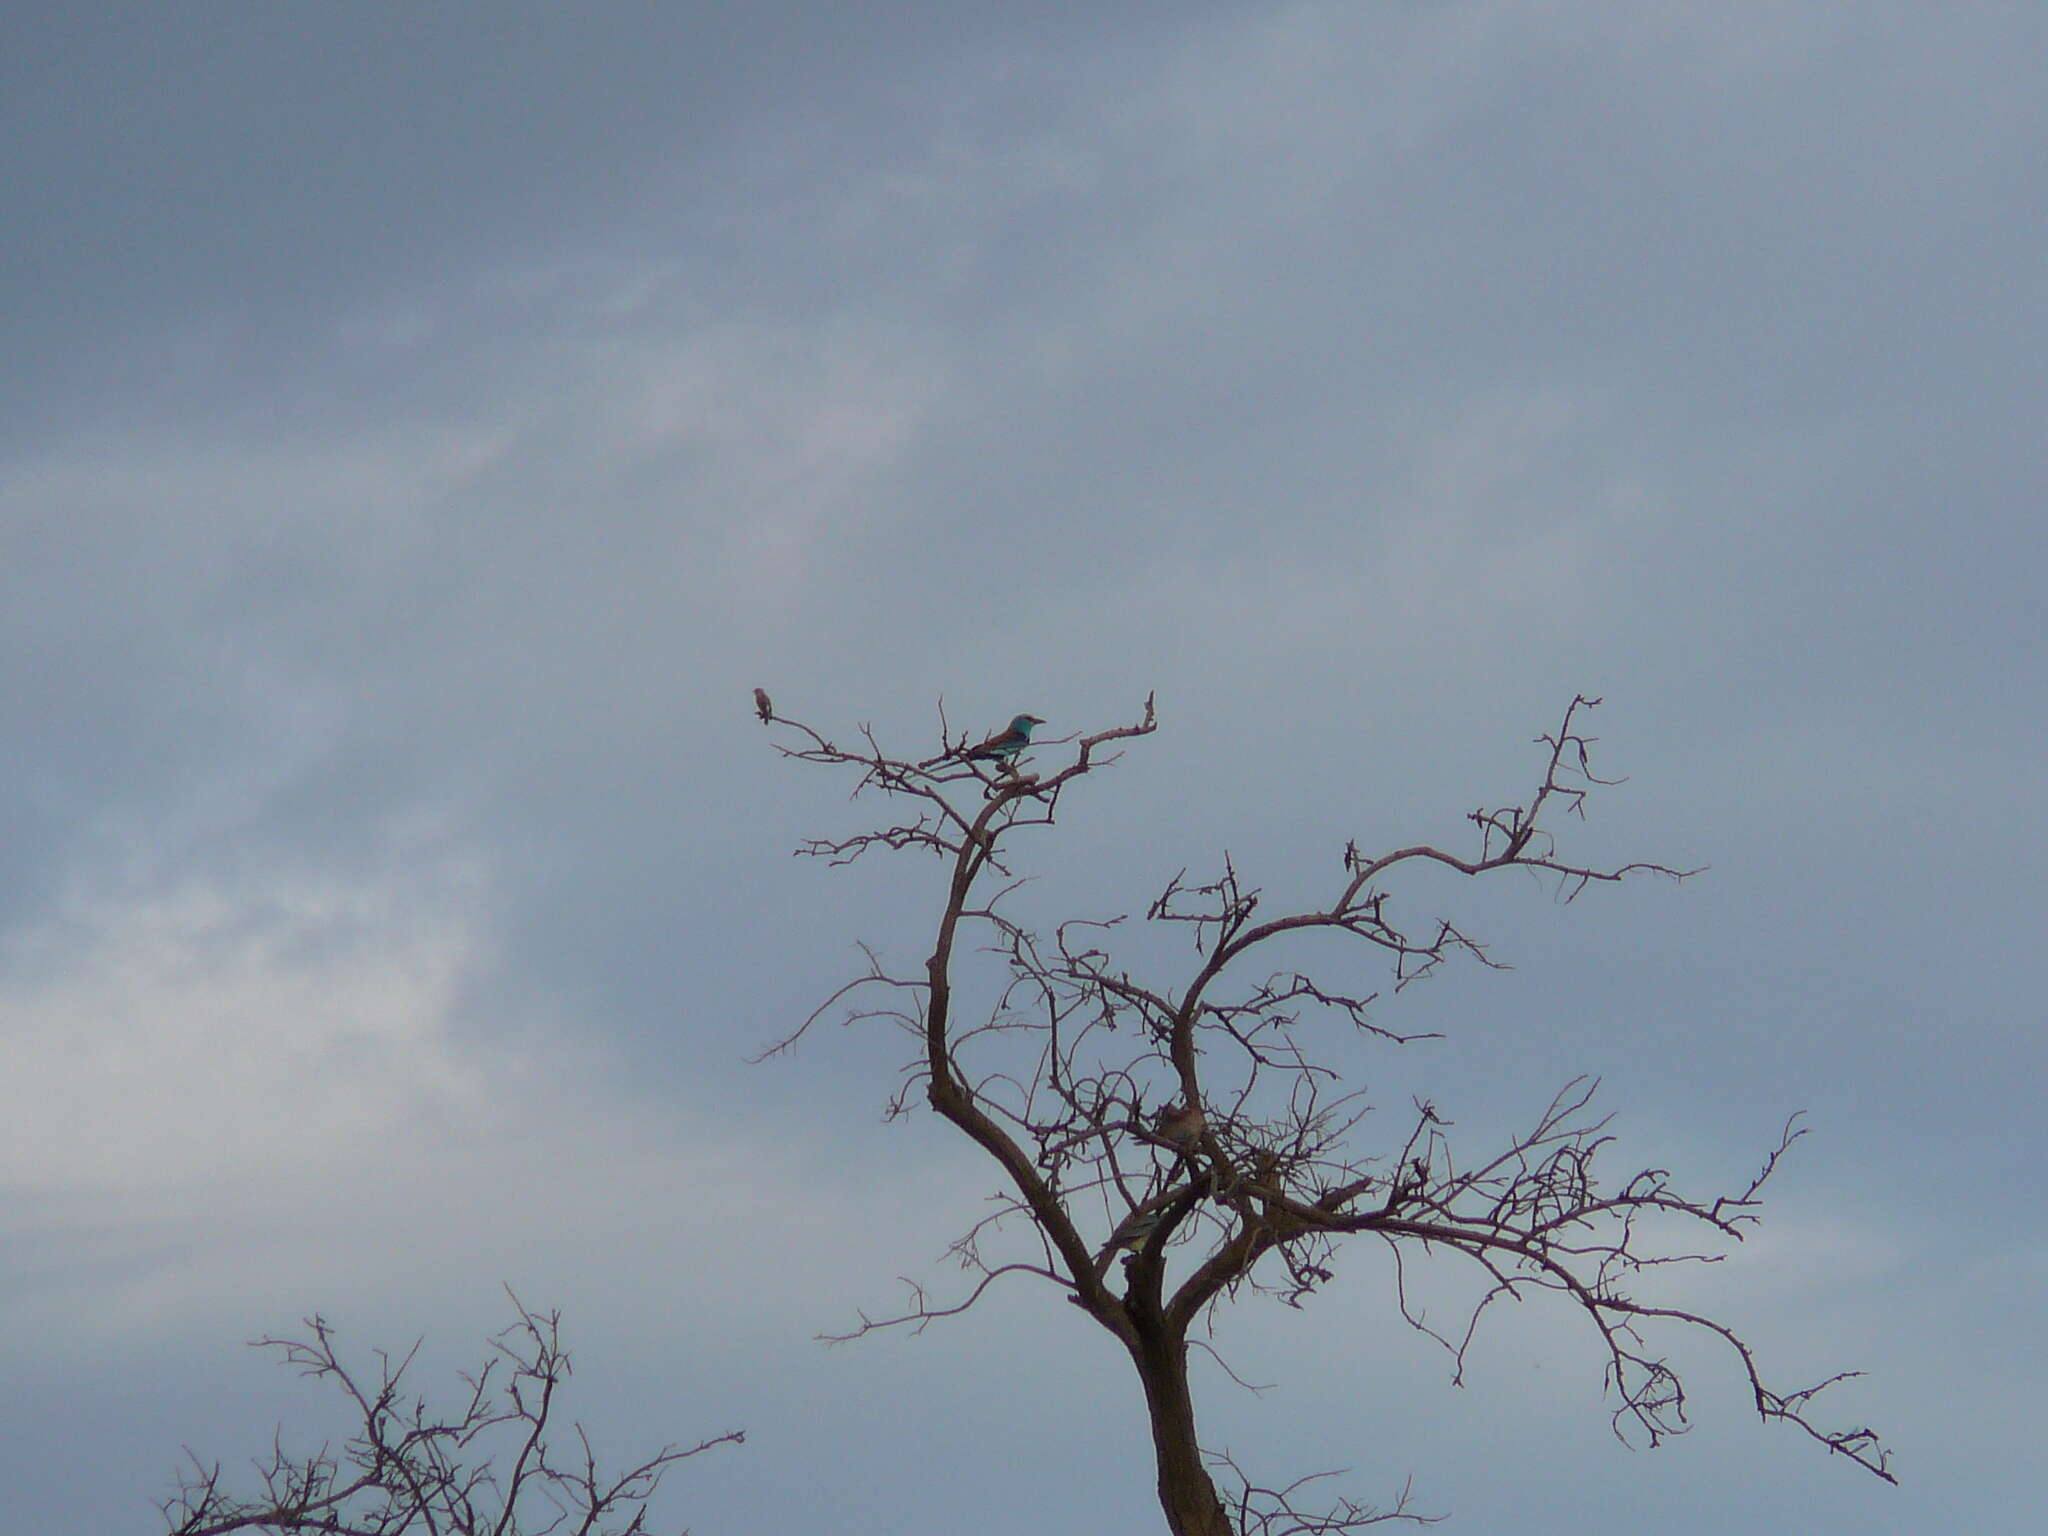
1187	1495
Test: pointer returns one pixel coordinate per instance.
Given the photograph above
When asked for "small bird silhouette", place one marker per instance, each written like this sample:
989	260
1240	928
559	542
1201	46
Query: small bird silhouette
762	707
1004	746
1181	1124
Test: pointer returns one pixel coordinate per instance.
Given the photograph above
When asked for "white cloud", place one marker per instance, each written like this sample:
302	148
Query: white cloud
230	1097
190	1033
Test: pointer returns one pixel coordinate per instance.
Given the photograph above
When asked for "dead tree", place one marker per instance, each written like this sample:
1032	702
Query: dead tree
487	1468
1166	1147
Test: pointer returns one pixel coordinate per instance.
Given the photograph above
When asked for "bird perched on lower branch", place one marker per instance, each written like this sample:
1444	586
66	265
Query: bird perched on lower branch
762	707
1181	1124
1134	1232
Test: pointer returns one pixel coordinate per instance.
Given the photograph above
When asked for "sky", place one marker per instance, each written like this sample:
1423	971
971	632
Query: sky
420	427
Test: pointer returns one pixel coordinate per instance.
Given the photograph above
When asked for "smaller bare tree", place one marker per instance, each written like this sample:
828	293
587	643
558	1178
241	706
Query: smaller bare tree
485	1469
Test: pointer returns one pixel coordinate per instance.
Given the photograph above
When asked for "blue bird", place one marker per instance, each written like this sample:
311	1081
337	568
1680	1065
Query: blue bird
1004	746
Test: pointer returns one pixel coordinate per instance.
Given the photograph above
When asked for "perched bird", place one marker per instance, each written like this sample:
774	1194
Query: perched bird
1135	1231
1004	746
762	707
1181	1124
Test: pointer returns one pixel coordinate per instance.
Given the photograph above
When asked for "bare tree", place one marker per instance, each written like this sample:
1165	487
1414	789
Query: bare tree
487	1468
1170	1146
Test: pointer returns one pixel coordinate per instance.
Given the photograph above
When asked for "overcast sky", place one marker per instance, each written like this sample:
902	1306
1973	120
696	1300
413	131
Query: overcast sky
421	425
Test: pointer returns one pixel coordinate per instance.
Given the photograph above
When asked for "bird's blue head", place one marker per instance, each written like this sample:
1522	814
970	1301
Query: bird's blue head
1021	725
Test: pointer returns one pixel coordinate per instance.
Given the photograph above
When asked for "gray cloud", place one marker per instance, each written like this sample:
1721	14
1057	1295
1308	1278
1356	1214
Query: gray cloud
422	431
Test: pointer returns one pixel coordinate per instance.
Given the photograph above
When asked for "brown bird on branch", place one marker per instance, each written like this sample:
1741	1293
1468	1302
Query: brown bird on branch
1181	1124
